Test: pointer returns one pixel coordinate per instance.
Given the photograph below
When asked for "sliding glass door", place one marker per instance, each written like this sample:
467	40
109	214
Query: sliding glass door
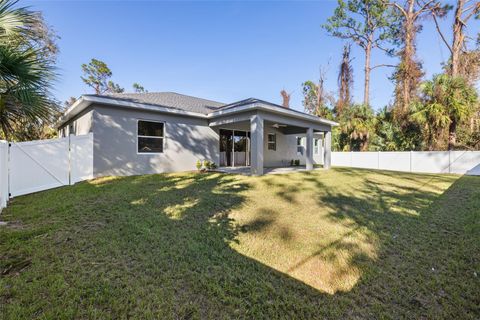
234	148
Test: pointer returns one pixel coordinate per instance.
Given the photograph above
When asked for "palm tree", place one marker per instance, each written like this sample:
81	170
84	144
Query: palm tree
25	76
357	126
445	103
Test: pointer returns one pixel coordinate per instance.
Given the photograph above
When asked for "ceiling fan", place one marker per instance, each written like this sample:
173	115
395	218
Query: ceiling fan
277	125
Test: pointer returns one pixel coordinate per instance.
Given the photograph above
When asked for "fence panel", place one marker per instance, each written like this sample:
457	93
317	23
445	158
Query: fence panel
395	161
465	162
81	158
38	165
3	174
430	161
460	162
368	160
342	159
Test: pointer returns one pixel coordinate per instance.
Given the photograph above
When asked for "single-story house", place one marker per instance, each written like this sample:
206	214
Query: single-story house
141	133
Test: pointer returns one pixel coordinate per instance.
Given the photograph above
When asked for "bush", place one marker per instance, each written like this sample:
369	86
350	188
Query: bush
297	162
292	162
199	165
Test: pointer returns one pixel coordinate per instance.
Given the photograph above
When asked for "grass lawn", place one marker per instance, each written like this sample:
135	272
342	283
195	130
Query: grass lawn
343	243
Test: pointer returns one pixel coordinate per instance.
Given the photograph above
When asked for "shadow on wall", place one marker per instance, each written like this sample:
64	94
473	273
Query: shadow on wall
115	146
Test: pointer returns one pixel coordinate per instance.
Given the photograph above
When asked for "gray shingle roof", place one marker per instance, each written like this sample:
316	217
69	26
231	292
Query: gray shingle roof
169	100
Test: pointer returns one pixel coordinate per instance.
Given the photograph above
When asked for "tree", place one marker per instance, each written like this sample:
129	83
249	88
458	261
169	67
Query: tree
70	102
446	102
139	88
285	98
464	11
409	72
113	87
357	125
96	75
26	75
315	98
368	24
345	81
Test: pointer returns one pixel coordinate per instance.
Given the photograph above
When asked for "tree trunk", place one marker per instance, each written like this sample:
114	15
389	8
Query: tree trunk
366	89
458	38
408	60
452	135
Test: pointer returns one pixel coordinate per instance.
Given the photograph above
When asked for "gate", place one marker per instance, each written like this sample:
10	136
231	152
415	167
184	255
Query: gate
44	164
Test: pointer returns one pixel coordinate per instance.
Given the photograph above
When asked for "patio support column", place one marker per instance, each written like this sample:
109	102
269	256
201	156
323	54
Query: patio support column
327	151
309	149
256	144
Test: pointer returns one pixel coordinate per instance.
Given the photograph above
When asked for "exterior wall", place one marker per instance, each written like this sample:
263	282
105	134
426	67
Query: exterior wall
81	125
115	143
286	150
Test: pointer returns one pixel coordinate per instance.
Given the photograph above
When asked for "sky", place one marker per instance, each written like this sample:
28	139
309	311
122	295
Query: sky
220	50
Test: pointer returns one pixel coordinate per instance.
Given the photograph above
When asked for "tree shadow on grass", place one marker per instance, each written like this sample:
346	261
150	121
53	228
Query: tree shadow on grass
425	257
146	247
159	246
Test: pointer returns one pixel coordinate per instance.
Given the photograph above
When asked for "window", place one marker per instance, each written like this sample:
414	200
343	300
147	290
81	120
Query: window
299	145
71	129
150	136
272	141
316	146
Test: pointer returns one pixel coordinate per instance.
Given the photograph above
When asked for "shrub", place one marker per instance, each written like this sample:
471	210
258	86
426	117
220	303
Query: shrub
206	164
297	162
292	162
199	165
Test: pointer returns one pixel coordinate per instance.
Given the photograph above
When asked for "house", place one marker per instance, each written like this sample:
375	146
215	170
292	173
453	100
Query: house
142	133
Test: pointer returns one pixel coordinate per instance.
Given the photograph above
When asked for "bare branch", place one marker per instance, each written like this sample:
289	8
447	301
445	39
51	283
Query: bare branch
396	5
441	33
383	65
474	6
473	12
423	9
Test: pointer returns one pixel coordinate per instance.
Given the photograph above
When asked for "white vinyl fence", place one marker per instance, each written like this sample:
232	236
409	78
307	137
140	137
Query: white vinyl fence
459	162
27	167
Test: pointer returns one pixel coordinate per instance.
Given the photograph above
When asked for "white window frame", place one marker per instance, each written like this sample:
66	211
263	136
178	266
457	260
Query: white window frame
153	137
274	142
299	153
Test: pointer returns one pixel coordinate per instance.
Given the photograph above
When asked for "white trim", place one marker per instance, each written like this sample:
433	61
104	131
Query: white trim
274	142
151	137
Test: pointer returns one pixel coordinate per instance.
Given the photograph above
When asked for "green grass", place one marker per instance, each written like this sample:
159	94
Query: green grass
343	243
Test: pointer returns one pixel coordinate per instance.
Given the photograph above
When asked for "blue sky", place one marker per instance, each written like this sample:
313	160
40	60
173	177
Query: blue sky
224	51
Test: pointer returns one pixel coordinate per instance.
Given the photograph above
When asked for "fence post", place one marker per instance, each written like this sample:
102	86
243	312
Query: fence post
69	160
411	159
4	189
449	161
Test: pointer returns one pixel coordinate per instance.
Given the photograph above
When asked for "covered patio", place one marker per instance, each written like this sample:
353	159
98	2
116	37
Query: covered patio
269	137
